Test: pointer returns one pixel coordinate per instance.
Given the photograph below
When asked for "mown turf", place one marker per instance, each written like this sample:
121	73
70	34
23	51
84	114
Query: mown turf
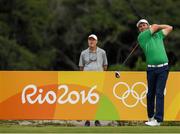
56	129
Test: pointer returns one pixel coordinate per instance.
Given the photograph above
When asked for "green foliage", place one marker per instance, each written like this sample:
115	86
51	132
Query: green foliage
23	26
118	67
52	34
140	65
176	67
13	56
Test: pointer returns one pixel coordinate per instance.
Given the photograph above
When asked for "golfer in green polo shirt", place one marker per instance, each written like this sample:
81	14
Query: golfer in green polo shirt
151	41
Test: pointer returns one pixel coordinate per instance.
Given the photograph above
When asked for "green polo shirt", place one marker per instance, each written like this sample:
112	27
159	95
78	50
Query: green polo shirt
153	47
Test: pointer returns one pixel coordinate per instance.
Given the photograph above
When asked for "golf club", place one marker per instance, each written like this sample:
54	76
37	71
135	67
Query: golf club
117	73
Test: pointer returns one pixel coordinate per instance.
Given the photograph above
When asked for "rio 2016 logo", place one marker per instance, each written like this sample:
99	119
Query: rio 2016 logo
51	97
74	97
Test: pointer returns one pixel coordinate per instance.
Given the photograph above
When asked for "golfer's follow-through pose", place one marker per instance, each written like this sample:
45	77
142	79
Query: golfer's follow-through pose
151	41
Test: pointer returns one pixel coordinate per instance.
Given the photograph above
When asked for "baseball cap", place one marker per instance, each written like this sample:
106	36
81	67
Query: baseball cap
93	36
142	21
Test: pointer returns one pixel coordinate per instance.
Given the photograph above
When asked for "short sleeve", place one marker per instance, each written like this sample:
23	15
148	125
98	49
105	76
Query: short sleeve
105	62
81	63
161	34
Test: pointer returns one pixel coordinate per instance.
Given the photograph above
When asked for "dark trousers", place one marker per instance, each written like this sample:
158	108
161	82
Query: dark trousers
156	78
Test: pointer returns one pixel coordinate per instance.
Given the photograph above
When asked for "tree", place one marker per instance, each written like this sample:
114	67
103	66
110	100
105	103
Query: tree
55	32
23	31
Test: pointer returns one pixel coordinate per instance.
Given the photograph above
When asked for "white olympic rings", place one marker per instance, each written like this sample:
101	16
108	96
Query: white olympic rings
139	98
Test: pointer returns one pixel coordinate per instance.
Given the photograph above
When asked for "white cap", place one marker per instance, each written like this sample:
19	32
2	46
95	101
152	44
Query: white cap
93	36
142	21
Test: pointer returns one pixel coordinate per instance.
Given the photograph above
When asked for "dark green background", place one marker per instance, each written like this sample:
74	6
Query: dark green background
50	34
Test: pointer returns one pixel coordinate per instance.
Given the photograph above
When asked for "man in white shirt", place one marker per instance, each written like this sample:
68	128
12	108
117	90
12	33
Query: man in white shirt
93	59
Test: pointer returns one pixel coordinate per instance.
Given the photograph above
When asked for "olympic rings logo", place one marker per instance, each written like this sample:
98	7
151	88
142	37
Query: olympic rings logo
125	95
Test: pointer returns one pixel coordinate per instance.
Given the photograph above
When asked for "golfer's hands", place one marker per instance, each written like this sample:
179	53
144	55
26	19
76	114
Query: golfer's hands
117	74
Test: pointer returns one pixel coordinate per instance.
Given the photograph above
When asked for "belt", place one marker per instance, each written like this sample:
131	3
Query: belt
160	65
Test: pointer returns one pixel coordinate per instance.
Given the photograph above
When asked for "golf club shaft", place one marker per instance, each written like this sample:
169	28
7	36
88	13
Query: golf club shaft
130	54
117	73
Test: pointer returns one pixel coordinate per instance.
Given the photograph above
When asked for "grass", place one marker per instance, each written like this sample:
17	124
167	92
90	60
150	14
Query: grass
121	129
